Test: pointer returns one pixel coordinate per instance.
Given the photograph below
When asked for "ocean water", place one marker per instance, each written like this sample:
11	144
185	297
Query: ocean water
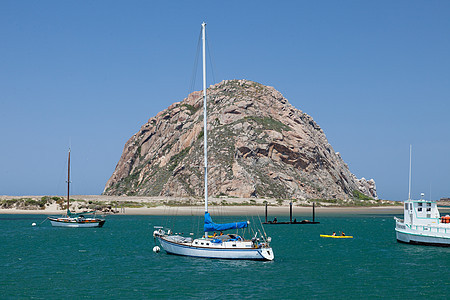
117	261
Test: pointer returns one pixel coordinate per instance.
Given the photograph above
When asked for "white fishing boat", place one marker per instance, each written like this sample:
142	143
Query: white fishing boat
422	223
85	219
222	246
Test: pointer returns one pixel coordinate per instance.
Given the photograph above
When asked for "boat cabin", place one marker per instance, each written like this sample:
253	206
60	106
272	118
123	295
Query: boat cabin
421	212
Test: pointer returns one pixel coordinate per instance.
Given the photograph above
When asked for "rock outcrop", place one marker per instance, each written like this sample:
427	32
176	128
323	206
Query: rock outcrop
258	146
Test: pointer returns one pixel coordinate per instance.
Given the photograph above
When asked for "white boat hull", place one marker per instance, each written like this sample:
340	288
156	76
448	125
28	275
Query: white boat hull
423	235
75	224
420	239
187	249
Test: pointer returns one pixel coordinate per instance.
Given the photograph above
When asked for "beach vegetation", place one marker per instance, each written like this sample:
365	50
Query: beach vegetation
347	203
179	203
25	203
114	206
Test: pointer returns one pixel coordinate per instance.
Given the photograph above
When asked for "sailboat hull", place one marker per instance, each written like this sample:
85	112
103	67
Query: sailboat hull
73	223
187	249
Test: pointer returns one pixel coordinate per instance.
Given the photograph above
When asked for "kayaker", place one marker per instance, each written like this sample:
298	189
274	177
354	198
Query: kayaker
342	233
334	233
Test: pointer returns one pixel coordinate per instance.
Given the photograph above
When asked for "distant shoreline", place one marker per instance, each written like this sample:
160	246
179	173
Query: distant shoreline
230	211
224	206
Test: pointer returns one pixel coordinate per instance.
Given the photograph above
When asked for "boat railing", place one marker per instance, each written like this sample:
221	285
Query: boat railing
428	228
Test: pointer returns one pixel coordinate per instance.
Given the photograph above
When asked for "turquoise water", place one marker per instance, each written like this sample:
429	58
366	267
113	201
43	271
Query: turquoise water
117	261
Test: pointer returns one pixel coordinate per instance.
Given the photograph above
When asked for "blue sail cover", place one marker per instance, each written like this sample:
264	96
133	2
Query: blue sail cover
211	226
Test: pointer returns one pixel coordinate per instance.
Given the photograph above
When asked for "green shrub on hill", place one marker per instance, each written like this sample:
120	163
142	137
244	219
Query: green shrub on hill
360	196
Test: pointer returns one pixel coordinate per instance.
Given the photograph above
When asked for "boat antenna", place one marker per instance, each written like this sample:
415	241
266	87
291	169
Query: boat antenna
205	132
409	188
68	183
430	191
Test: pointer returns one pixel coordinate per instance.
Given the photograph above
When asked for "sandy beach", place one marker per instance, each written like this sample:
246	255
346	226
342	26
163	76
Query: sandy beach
228	210
123	205
260	211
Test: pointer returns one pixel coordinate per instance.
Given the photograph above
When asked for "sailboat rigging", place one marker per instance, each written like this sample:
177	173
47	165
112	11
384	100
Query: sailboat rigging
71	219
224	246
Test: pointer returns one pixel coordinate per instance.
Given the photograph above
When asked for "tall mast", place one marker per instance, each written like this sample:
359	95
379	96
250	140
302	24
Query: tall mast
68	183
205	132
409	187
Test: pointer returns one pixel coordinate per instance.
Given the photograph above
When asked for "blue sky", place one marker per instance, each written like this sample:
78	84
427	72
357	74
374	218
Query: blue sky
373	74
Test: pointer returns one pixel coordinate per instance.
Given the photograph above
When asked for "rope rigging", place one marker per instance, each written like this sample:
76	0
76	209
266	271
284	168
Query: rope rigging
195	67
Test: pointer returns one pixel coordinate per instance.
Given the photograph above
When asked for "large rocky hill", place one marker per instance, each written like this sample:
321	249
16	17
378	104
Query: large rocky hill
258	146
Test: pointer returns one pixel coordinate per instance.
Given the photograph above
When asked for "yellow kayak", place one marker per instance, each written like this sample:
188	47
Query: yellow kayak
336	236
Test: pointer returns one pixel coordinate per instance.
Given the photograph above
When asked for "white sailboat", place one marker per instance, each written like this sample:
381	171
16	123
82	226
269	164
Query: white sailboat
422	223
224	246
73	219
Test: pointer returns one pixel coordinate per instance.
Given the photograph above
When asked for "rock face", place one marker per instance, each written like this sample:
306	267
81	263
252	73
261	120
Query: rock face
258	146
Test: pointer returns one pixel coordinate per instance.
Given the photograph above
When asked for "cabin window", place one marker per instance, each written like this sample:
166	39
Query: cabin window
428	208
420	203
406	206
207	244
429	204
410	206
201	243
234	245
196	243
428	216
419	209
